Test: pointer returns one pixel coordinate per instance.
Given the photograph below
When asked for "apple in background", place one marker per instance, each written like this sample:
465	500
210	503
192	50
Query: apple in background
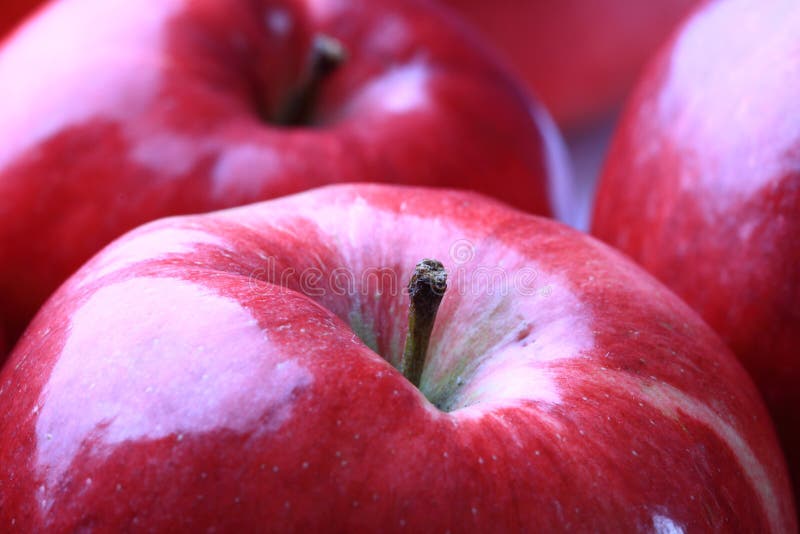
120	112
580	56
237	369
702	187
13	12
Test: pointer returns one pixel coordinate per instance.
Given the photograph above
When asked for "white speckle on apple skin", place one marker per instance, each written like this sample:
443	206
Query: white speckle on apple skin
279	21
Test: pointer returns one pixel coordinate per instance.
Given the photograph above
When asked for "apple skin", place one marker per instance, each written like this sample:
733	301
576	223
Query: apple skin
13	12
581	57
161	108
702	188
204	371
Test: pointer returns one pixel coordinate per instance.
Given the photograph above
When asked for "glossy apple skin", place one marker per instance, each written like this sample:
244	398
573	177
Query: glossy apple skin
702	187
580	56
160	108
13	12
205	371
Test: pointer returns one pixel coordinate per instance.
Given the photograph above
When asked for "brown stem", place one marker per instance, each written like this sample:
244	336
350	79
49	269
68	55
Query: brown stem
327	55
425	291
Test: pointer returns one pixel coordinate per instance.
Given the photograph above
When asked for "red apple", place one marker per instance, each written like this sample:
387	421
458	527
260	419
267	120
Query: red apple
116	113
12	12
702	187
234	371
580	56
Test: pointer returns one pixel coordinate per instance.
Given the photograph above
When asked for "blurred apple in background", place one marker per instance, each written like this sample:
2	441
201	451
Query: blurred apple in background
581	57
12	12
115	112
702	187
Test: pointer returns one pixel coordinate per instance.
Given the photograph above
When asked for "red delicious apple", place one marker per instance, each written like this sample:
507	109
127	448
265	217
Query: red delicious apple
234	371
116	113
12	12
580	56
702	187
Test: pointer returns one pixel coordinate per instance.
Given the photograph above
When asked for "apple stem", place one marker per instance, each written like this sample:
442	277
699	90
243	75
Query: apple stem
327	54
425	290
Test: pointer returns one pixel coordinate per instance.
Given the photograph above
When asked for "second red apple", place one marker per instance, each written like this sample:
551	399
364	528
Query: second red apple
116	113
581	57
702	187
